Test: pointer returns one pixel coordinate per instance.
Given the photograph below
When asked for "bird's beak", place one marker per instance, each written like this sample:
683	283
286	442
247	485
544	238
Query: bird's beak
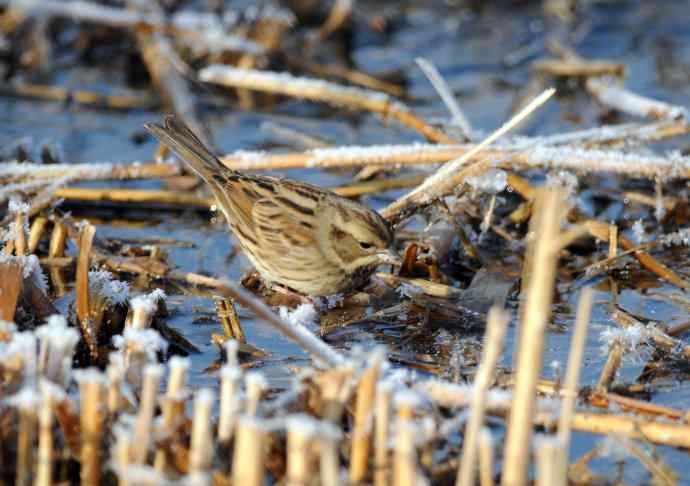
390	257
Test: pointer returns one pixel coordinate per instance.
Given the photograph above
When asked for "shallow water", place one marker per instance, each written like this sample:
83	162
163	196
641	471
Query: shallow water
485	58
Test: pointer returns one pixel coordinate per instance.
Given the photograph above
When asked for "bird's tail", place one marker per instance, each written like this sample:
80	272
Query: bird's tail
177	136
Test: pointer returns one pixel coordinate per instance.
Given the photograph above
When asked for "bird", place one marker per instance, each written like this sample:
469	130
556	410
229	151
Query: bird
298	236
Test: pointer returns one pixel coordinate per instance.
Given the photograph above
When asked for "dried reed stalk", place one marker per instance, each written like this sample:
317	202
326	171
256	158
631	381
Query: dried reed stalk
569	392
12	172
364	406
122	456
142	430
140	196
115	399
225	308
201	448
20	245
383	408
80	96
486	457
91	411
11	283
321	91
329	454
256	385
248	457
545	225
332	384
496	326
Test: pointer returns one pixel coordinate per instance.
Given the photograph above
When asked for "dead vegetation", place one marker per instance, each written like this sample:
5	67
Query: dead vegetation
515	231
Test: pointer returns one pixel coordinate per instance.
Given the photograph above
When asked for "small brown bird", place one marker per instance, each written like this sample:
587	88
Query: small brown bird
297	235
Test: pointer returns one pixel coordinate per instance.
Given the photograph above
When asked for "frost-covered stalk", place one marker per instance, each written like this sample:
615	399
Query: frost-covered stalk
56	349
229	401
20	225
383	406
115	374
256	385
331	389
364	407
173	402
142	430
91	411
138	347
26	402
248	458
200	453
58	238
301	429
321	91
549	451
144	308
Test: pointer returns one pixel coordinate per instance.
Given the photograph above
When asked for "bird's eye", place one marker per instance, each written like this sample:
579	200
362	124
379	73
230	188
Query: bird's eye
365	246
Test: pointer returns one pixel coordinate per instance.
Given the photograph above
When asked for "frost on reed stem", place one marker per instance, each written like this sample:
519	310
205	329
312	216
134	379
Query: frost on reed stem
56	349
91	412
142	430
201	448
173	403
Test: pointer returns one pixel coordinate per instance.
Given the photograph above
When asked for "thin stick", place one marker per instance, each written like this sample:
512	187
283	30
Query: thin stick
38	228
535	316
459	119
496	326
248	459
86	236
405	455
361	434
448	176
57	240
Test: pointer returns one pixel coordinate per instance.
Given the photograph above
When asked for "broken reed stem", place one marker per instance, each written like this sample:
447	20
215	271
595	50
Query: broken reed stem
256	385
321	91
122	456
20	245
44	466
248	458
85	243
496	326
25	443
300	432
91	410
172	406
58	238
114	400
569	392
142	430
38	228
200	452
364	406
452	173
608	372
486	457
536	311
383	408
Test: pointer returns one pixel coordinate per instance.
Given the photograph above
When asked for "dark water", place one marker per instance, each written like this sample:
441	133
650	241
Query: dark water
485	58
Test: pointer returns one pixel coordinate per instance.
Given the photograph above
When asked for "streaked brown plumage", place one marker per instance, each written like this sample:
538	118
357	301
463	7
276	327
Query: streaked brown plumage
296	235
